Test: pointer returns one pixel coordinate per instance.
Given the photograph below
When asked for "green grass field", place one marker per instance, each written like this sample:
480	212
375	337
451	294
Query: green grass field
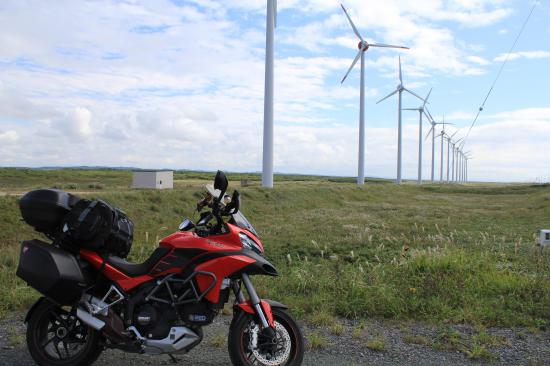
441	253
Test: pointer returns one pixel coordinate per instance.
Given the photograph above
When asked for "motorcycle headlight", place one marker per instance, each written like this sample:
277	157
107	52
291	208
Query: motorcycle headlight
249	243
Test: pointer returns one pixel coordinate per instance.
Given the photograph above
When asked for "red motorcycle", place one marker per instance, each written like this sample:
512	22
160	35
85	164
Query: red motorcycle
94	299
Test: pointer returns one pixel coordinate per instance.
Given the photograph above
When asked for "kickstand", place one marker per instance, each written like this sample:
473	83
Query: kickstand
174	360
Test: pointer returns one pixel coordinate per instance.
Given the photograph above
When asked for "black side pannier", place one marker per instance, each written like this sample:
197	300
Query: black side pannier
96	226
51	271
44	209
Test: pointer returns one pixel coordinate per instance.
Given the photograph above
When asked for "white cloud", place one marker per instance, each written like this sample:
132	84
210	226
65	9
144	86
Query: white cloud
530	55
460	116
478	60
77	124
8	136
510	144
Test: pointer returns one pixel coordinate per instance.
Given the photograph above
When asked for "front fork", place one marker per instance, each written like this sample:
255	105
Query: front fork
261	308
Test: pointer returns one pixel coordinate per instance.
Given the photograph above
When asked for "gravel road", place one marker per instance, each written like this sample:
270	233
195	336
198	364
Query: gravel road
370	343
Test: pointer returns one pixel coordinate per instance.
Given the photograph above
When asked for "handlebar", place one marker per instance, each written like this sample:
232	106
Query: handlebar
219	209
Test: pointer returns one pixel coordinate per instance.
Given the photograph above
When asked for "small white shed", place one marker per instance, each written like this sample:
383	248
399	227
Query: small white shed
153	179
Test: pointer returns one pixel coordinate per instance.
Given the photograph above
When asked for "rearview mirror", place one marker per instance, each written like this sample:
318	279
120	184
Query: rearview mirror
220	182
233	206
186	225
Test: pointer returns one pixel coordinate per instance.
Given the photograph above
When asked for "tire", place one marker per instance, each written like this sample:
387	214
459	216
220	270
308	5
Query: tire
244	325
53	337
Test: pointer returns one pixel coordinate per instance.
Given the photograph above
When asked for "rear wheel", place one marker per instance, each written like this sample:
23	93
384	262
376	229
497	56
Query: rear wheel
248	345
57	338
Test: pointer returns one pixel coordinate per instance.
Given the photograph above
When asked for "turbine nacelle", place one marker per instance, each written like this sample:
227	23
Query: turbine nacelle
363	46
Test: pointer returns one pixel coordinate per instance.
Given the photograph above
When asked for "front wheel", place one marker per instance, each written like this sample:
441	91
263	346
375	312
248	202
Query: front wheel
249	346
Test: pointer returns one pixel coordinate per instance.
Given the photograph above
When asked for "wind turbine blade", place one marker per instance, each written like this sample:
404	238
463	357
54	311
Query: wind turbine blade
410	109
387	96
352	25
427	97
454	134
428	134
429	115
387	46
352	64
400	73
413	93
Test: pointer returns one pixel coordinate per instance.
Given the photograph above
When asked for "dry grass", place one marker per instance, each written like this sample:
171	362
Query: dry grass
316	341
376	343
218	340
337	329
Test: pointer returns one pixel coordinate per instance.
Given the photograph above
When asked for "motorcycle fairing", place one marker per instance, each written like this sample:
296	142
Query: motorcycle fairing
217	254
221	267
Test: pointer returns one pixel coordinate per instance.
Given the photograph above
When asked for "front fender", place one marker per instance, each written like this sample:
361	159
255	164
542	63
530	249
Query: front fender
266	305
33	308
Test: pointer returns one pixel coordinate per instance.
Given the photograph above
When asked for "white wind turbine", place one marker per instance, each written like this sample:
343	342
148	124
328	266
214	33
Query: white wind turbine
432	131
271	23
363	47
454	164
399	90
442	134
420	113
449	142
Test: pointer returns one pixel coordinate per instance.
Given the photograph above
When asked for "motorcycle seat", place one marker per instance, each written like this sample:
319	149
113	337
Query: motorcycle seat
138	269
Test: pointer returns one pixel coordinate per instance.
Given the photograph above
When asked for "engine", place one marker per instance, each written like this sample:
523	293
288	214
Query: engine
171	302
154	320
164	316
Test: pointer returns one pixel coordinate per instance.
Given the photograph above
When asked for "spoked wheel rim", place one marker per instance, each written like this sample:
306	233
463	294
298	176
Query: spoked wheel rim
61	336
267	351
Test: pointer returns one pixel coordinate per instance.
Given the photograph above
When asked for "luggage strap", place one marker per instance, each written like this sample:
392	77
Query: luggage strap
85	212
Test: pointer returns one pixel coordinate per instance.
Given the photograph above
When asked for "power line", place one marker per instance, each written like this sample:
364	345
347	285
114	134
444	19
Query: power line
500	71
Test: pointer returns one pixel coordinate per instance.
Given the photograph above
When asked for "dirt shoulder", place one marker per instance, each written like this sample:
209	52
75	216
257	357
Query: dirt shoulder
346	343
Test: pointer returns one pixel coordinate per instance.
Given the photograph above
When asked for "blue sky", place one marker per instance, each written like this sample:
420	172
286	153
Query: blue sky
180	84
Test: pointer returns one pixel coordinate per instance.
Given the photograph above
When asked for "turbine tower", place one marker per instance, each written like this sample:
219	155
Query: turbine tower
432	131
271	23
454	165
363	47
442	134
449	142
420	113
399	91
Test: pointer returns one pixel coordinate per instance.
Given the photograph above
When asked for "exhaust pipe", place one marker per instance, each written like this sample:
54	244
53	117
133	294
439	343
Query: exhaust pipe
89	319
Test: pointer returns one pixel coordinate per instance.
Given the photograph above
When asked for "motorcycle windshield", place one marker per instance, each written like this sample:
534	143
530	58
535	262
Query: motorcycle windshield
243	223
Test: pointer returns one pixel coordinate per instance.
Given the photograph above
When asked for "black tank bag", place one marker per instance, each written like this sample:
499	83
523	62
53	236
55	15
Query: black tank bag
96	226
88	224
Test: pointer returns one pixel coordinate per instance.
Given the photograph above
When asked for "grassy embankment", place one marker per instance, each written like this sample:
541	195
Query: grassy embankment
443	253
